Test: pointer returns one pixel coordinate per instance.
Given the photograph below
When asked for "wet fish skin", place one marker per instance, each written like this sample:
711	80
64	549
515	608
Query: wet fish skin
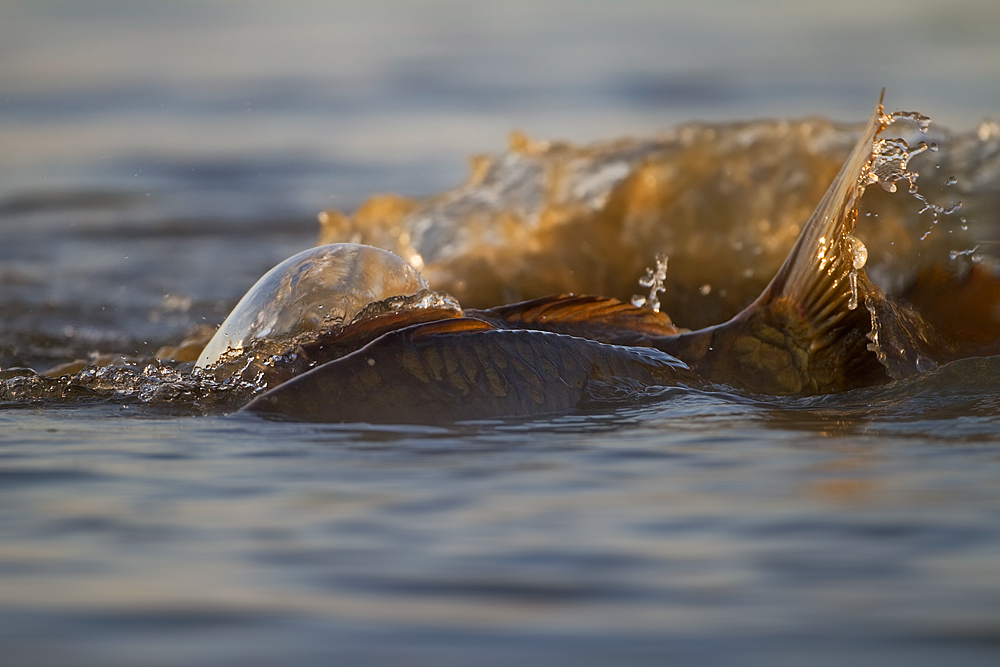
466	370
270	364
778	351
604	319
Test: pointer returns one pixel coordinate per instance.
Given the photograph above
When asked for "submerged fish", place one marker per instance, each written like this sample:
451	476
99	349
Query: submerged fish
819	326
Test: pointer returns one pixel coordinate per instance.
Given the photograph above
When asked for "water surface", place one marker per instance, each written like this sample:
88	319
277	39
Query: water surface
157	158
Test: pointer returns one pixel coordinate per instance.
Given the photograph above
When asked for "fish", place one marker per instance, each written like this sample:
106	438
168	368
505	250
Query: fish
819	326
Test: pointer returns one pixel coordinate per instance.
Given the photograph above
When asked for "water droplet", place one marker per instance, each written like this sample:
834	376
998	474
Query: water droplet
852	300
890	161
654	281
859	252
705	289
923	122
968	252
951	180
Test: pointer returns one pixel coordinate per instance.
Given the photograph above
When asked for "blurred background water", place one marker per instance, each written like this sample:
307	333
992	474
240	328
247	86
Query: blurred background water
156	158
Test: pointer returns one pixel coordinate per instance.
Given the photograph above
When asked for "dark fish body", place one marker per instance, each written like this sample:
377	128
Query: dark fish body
819	326
467	370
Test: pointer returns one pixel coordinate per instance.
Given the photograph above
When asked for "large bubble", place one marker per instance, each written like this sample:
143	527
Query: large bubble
311	291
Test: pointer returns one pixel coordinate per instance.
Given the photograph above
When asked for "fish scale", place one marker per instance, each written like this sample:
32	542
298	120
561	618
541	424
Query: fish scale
402	377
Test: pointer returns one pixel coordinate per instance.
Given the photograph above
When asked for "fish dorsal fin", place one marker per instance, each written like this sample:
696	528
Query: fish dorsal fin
358	334
599	318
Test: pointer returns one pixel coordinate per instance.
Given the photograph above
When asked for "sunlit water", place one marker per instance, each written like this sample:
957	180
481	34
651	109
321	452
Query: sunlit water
146	184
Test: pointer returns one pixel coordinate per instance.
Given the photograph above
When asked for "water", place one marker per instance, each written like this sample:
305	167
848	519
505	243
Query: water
702	527
158	158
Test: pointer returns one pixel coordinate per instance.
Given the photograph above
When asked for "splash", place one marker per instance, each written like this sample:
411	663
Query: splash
891	161
898	336
859	257
937	210
726	201
923	122
971	253
890	164
654	281
147	384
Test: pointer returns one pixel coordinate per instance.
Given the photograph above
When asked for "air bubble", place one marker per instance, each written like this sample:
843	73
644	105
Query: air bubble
322	285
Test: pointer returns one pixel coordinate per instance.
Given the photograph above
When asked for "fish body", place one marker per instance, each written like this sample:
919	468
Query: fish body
819	326
465	369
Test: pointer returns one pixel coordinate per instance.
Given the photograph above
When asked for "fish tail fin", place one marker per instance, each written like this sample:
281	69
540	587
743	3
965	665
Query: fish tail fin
822	272
805	333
